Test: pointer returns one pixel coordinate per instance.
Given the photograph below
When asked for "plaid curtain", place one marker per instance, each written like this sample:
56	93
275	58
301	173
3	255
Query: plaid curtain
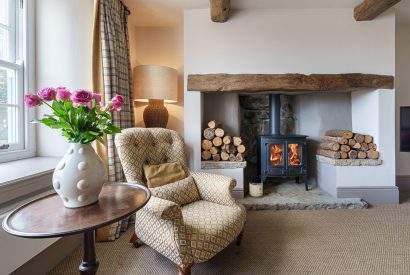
112	76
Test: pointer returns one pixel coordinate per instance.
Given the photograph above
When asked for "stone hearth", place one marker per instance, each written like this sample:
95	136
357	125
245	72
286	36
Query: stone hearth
289	196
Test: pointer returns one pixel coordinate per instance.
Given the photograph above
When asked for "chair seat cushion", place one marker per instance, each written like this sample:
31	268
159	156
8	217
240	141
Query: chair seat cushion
181	192
210	227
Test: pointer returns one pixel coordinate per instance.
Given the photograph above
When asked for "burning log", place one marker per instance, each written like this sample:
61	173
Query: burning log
334	146
329	153
339	133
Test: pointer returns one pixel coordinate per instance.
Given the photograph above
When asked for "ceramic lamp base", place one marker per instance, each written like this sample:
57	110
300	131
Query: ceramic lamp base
156	114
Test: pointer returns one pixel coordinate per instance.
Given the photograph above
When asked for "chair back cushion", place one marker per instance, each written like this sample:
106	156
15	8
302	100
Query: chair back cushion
148	146
161	174
181	192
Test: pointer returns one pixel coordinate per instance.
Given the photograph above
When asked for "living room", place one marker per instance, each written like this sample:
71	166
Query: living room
289	115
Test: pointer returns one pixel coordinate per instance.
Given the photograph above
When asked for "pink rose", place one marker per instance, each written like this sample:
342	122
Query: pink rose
47	93
32	100
82	97
63	93
117	101
113	108
97	97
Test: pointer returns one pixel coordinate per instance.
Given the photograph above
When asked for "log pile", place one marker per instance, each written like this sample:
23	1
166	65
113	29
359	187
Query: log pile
344	144
218	146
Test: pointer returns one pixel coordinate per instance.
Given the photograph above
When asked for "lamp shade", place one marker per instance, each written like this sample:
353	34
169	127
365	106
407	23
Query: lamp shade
155	82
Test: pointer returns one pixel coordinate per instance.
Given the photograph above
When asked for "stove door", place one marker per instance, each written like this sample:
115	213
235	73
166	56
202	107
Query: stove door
295	157
276	158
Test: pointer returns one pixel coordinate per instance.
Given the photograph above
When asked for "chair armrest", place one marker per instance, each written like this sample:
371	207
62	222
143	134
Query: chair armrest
164	209
215	188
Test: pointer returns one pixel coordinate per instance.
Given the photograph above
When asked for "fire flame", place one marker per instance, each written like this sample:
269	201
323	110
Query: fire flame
276	154
294	155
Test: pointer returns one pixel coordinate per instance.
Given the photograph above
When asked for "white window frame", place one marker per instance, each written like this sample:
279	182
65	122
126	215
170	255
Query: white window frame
25	83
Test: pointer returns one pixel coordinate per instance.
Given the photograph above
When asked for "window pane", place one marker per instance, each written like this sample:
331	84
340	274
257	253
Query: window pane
8	125
3	12
8	94
4	44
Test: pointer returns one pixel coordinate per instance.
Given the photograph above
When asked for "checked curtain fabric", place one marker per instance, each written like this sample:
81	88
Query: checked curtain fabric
112	76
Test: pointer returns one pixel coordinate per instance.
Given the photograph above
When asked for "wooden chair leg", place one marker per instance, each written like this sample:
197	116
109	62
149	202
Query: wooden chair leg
135	240
239	238
184	270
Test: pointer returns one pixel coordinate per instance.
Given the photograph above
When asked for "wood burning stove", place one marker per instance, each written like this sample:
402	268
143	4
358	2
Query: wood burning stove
281	155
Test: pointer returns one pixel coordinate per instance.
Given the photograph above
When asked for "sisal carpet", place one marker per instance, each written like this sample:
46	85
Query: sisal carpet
321	242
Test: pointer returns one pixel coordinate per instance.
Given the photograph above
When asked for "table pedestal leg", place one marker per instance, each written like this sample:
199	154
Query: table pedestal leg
90	263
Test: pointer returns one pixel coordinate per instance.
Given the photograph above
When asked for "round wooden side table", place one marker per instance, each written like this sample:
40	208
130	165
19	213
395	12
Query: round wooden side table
47	217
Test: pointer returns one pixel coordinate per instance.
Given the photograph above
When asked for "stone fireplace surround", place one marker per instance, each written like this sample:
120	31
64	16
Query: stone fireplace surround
366	110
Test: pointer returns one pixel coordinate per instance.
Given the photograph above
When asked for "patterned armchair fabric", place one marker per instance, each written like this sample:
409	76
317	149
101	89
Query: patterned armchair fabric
186	234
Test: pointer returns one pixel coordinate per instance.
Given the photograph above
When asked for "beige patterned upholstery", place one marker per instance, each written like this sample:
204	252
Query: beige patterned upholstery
184	233
181	192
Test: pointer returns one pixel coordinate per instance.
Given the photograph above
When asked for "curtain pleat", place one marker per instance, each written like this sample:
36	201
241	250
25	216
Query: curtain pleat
112	76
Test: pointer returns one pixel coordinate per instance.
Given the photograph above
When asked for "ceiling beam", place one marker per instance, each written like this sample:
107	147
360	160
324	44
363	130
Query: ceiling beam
370	9
289	83
220	10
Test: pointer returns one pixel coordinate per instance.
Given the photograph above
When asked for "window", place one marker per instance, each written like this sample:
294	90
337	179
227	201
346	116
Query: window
14	74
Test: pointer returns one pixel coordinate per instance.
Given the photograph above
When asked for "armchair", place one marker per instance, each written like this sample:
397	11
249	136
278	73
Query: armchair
186	234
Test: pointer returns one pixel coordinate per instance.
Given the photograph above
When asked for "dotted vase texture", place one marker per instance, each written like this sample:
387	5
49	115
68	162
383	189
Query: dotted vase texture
79	176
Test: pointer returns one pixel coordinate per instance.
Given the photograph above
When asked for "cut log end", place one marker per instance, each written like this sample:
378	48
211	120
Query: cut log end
329	153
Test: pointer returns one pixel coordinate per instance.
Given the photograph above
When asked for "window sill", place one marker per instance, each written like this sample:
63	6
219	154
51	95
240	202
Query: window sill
24	178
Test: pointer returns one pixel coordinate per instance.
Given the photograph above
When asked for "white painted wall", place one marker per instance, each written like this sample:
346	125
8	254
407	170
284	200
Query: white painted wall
160	46
63	57
402	92
284	41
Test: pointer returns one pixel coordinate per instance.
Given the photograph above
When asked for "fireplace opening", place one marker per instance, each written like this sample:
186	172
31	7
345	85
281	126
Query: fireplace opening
281	155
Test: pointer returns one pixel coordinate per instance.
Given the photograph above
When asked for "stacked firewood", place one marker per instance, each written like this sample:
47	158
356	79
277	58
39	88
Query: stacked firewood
218	146
344	144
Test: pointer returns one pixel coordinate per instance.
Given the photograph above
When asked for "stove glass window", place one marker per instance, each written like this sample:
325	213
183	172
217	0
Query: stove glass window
276	154
294	154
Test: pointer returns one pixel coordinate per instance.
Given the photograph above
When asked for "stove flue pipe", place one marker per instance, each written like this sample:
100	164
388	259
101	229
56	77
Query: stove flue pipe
274	114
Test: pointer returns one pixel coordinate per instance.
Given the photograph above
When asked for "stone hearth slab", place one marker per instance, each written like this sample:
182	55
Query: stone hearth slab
292	196
350	162
222	164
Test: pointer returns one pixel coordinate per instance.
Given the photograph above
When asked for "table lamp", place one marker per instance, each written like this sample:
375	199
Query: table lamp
155	85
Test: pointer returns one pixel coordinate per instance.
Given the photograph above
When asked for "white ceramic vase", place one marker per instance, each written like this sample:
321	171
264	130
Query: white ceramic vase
79	176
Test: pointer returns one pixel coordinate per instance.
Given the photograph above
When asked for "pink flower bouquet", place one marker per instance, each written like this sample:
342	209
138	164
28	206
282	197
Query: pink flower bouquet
80	115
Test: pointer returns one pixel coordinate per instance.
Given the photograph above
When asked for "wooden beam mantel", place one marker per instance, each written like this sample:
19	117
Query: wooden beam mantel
291	83
220	10
370	9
